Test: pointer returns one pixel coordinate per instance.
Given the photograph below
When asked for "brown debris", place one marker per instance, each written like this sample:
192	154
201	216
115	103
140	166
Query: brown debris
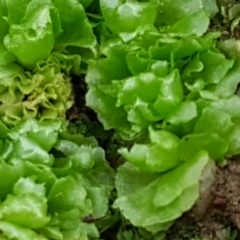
226	192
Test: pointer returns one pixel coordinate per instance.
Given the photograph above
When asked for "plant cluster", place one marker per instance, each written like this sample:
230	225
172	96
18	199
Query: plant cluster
156	76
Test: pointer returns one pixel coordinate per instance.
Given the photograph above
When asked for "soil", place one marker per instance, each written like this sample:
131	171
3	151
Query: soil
223	210
79	111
